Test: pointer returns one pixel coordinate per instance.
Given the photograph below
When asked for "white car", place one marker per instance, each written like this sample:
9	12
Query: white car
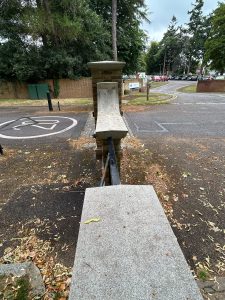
221	77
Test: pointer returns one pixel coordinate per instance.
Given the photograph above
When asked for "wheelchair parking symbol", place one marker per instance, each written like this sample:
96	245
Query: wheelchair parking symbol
36	127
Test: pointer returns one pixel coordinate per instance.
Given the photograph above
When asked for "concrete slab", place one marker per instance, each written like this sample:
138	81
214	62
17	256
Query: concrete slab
109	120
131	253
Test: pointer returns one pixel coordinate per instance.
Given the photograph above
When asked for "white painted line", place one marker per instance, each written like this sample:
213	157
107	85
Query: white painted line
25	123
184	123
163	129
161	125
74	123
199	103
45	128
210	103
53	124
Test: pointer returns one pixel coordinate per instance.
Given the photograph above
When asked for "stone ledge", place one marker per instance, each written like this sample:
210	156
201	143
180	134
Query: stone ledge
109	120
106	65
131	252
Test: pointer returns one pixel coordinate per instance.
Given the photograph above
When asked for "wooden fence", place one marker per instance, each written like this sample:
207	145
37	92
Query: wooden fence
81	88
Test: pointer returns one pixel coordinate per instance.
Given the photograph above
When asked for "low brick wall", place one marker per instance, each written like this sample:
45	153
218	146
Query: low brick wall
81	88
207	86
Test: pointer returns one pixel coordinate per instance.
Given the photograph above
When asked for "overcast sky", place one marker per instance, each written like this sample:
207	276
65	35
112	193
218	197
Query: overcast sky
161	12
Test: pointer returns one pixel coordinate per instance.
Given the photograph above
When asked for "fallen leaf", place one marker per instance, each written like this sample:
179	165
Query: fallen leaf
186	174
175	198
92	220
62	287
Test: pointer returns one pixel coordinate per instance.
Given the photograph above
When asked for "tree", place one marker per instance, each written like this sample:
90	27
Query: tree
215	45
198	29
45	39
131	39
171	47
114	29
153	64
56	38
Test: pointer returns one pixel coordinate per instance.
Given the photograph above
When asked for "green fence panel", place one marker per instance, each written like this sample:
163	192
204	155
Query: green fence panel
32	91
42	90
38	91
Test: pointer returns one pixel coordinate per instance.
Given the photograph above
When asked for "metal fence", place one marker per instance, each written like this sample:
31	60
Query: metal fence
110	169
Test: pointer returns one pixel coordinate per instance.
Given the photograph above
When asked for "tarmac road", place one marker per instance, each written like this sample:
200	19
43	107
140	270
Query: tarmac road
30	125
172	85
187	139
188	115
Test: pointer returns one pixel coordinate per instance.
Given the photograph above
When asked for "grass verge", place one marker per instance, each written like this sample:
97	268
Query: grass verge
154	98
28	102
188	89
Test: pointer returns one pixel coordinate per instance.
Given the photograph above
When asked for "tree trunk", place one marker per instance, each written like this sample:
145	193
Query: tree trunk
164	64
50	22
189	65
43	36
114	35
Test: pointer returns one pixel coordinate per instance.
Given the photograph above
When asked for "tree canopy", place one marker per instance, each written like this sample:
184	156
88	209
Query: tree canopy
56	38
215	45
153	63
182	50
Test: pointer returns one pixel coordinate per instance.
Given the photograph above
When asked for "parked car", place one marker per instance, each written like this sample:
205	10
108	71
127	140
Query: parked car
157	78
221	77
164	78
207	78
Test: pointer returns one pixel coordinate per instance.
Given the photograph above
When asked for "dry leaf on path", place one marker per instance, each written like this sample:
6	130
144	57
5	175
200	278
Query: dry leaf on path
92	220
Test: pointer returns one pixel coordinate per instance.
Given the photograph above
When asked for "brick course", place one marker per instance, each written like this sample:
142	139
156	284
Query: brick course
210	86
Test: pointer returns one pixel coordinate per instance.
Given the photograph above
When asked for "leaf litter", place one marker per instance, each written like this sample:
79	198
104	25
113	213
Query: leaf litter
136	161
56	276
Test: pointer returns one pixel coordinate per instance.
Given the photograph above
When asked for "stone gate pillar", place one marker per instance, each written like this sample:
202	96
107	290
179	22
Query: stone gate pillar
106	71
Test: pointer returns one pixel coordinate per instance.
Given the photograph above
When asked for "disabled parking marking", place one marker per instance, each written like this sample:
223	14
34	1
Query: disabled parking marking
53	124
46	123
